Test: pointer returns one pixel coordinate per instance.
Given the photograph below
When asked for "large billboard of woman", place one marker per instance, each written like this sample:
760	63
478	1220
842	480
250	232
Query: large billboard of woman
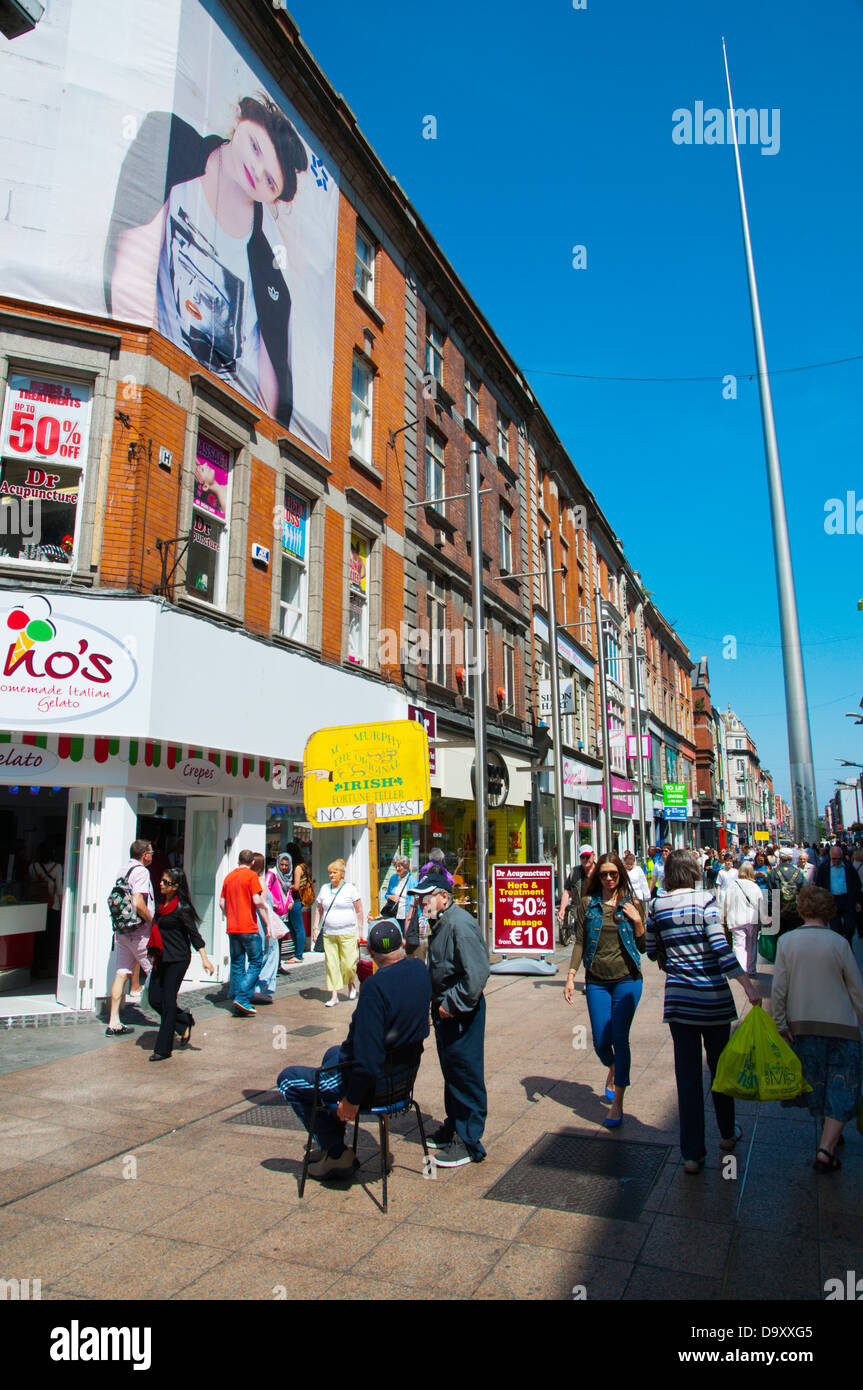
204	207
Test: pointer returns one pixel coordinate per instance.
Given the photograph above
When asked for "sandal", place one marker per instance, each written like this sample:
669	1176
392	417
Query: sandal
828	1164
120	1032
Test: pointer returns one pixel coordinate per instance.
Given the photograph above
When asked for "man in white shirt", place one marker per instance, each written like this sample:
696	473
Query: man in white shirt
131	947
637	877
726	875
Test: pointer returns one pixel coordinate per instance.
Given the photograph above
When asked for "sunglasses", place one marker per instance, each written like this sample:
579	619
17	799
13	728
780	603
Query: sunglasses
610	873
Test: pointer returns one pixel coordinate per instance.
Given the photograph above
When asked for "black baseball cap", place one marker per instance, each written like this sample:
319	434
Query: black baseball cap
432	883
385	936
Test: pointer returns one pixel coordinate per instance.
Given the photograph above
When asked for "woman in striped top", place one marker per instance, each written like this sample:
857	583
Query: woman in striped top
684	933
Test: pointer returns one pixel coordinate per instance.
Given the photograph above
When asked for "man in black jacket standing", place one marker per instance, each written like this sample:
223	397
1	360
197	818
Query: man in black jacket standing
392	1016
841	879
458	967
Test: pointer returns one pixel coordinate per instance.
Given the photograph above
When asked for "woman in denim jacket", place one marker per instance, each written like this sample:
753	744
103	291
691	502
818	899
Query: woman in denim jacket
609	938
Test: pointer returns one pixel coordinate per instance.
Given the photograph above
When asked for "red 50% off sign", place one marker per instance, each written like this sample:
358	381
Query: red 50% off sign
523	908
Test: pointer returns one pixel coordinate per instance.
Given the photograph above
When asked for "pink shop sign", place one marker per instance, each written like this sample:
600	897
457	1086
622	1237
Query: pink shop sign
621	796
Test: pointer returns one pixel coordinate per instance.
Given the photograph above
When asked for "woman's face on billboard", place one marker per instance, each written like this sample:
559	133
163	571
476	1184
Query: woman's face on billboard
254	164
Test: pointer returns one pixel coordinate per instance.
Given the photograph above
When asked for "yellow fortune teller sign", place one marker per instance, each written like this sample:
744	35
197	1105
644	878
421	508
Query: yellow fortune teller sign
355	766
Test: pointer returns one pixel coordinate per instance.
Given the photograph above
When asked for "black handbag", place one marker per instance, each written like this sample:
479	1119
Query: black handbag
319	939
391	909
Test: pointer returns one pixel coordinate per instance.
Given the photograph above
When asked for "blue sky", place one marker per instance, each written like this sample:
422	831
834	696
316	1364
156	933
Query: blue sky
554	129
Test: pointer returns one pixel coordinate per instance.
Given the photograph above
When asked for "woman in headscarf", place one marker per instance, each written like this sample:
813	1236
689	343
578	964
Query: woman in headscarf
278	883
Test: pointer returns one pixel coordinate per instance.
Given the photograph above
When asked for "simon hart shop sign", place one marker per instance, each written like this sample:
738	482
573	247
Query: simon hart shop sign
56	668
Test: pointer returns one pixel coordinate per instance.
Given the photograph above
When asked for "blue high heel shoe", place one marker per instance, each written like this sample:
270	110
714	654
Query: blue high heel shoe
613	1124
609	1093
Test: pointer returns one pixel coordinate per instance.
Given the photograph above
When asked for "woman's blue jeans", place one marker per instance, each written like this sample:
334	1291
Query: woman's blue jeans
297	930
612	1009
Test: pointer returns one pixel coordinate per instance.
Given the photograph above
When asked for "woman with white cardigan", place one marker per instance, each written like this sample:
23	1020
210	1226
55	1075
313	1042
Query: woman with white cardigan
817	1003
742	908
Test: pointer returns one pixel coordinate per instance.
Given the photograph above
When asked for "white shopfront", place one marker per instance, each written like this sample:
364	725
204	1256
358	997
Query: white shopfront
125	717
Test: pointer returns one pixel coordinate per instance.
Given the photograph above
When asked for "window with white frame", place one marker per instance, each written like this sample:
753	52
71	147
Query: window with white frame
509	670
434	351
612	653
505	537
207	554
294	589
438	633
358	601
502	437
471	397
364	264
43	457
435	467
361	408
582	731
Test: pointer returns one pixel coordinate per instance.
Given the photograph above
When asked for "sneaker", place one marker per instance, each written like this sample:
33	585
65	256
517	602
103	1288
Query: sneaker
452	1155
440	1139
136	997
243	1010
729	1144
693	1165
330	1167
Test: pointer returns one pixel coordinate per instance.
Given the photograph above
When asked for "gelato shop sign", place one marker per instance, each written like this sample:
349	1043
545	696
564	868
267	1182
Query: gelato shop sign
18	761
56	668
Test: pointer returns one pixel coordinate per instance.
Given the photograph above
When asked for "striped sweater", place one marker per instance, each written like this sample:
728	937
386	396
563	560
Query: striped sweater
698	958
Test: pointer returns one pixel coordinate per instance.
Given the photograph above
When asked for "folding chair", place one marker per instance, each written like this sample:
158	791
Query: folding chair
393	1095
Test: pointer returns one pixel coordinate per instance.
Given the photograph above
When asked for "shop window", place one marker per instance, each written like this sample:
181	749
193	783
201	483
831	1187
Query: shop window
294	591
207	555
358	602
43	452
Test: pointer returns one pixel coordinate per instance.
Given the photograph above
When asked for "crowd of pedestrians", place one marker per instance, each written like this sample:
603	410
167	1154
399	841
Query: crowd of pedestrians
703	917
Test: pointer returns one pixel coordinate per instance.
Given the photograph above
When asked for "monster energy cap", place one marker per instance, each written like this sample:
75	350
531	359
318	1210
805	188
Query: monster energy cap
385	936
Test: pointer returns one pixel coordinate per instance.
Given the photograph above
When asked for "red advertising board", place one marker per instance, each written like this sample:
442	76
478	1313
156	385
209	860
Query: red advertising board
523	909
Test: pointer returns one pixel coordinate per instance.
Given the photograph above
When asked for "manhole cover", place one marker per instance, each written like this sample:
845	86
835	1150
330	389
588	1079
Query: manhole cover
595	1177
271	1114
309	1030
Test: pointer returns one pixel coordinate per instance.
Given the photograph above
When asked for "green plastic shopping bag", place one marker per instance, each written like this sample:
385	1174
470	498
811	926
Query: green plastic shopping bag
757	1064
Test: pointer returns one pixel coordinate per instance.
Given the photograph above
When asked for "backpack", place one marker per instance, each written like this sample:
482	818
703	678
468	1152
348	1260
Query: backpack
124	918
789	887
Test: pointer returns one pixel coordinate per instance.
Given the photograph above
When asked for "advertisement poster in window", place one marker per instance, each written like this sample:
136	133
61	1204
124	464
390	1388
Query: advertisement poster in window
212	469
294	526
359	564
43	443
186	196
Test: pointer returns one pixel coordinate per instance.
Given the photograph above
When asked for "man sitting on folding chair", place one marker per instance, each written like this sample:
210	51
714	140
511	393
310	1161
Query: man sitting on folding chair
392	1013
